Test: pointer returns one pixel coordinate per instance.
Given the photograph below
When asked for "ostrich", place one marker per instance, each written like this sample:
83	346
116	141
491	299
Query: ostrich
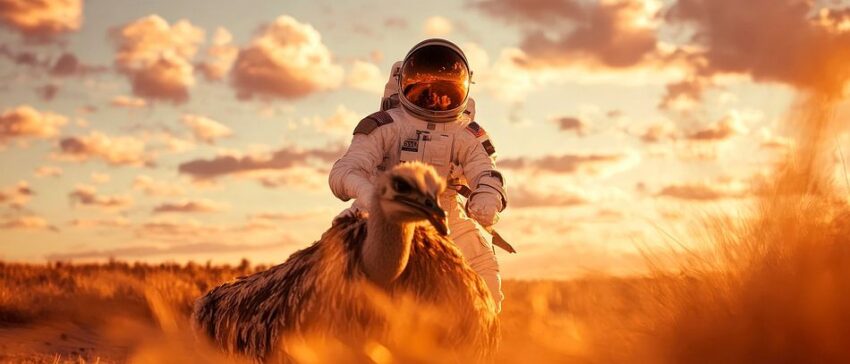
399	249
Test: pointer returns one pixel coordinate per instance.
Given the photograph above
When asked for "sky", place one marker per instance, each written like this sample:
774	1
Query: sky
183	130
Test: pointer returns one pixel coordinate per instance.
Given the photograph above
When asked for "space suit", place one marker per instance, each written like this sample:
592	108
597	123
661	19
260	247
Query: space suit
430	120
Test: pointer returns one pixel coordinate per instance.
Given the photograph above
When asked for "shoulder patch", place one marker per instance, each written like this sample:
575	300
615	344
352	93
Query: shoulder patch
488	147
372	122
476	129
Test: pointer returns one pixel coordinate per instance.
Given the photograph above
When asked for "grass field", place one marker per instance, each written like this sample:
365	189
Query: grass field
769	285
119	312
770	288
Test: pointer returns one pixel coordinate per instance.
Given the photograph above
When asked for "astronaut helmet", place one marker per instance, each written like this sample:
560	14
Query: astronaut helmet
434	81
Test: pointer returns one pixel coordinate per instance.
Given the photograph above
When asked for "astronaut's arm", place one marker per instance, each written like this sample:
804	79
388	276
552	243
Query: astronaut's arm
488	197
350	176
479	168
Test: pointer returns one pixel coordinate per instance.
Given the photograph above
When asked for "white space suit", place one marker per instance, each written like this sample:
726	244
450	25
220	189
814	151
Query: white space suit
445	137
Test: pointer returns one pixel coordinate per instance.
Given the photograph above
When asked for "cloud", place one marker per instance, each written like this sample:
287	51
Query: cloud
86	109
295	177
16	196
810	52
65	65
504	71
478	58
524	196
376	55
143	251
162	139
683	94
591	164
437	26
700	151
281	159
100	178
26	223
343	120
206	129
41	20
771	141
292	216
48	171
23	58
151	187
571	123
726	128
396	22
705	190
47	92
659	132
128	102
614	34
112	222
123	150
611	41
182	230
508	69
26	122
732	124
87	196
286	59
176	228
605	214
366	76
698	191
69	65
188	206
539	12
219	56
513	73
156	57
362	29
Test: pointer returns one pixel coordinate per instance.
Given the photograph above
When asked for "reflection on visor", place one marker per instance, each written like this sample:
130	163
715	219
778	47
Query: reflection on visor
435	78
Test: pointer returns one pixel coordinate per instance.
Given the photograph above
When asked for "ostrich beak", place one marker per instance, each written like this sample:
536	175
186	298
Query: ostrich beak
429	206
437	217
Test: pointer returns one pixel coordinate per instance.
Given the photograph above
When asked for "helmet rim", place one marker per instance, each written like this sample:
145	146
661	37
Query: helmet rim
434	115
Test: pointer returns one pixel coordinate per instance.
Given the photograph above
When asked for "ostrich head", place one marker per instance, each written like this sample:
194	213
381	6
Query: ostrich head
408	194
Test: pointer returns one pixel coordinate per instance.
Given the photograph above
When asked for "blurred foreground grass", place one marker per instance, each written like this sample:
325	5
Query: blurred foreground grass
119	312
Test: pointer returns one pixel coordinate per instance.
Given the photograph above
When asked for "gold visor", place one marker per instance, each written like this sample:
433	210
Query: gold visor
435	78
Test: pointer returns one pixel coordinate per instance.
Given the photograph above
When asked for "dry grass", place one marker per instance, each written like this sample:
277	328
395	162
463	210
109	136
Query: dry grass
770	288
771	285
138	313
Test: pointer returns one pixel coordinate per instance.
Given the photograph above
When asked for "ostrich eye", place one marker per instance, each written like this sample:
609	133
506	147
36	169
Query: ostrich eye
401	186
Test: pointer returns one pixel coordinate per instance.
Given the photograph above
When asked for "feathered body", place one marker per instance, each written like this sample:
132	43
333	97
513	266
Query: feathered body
323	290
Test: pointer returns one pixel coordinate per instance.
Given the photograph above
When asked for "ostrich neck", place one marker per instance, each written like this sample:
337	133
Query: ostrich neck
387	247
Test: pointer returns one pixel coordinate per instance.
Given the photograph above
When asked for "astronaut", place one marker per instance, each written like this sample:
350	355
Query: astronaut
427	116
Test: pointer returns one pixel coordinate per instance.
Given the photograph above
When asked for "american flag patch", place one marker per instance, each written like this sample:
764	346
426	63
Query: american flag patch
488	147
476	129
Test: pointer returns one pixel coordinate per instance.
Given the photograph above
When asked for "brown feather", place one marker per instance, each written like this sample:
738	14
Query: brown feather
322	289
